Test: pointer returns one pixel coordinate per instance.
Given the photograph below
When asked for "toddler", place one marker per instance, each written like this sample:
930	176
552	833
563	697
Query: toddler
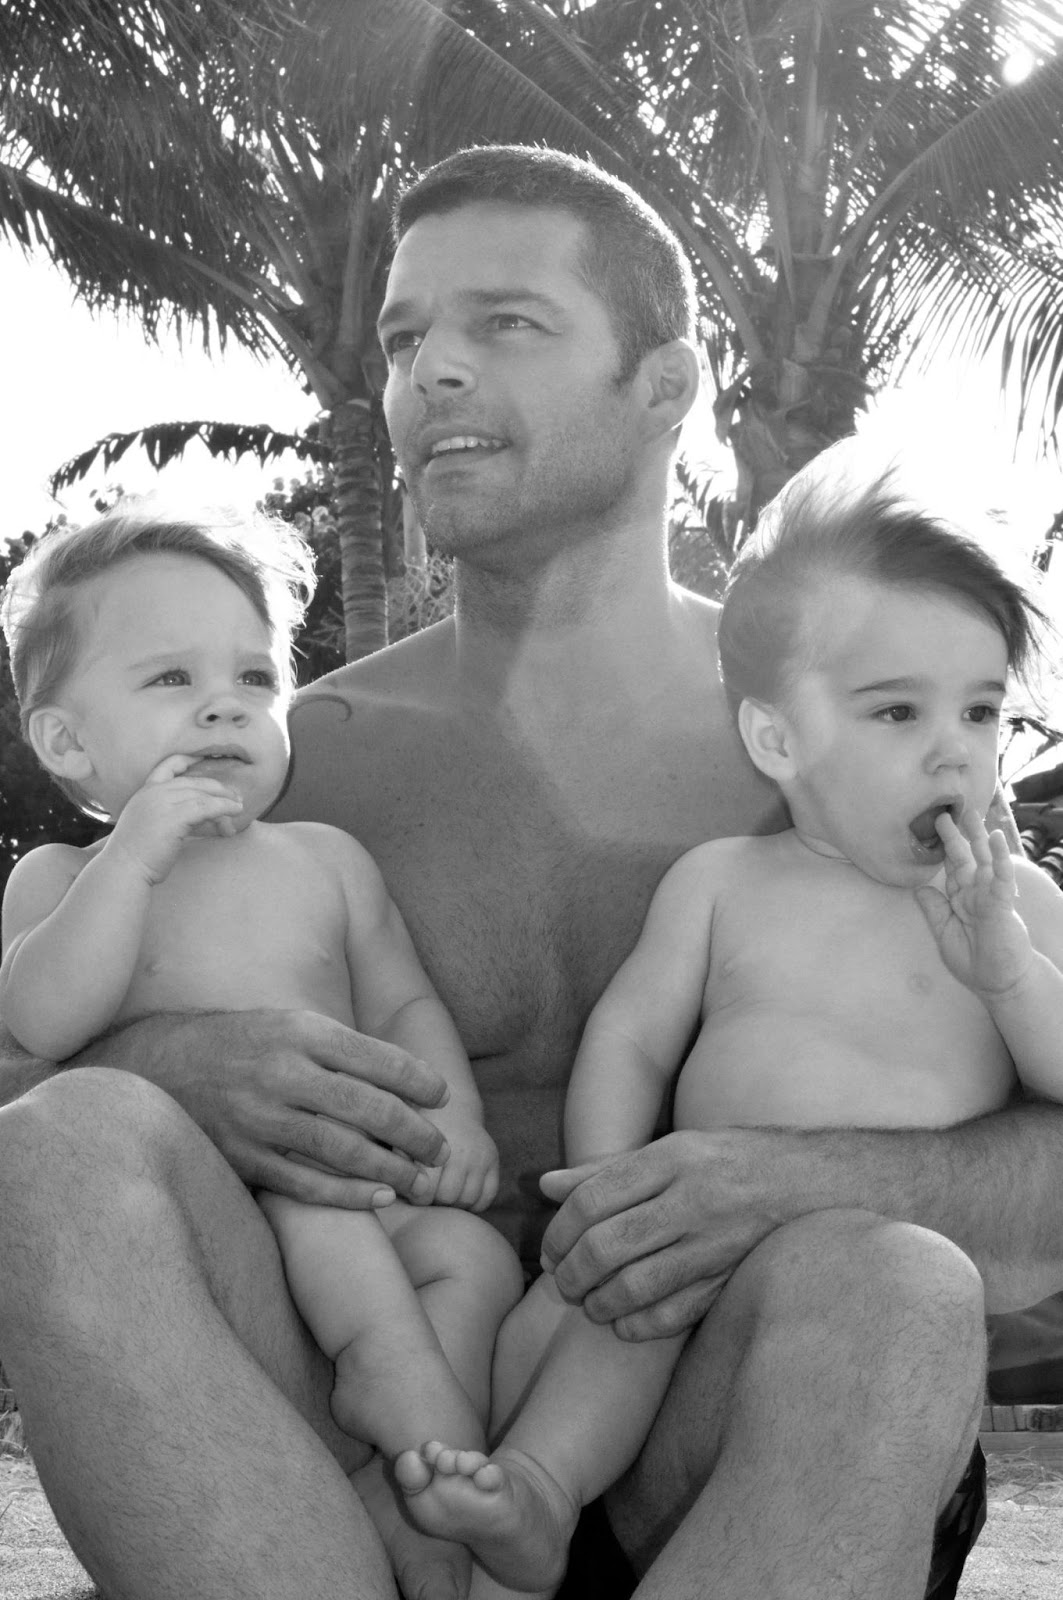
152	664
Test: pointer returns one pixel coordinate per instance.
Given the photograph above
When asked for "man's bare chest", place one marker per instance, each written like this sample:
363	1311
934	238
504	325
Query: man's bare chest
524	868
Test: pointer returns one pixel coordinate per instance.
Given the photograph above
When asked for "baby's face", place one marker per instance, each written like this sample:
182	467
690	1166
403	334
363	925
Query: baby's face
895	720
175	660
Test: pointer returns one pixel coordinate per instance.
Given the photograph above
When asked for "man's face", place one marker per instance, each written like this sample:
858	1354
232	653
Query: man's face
501	396
896	718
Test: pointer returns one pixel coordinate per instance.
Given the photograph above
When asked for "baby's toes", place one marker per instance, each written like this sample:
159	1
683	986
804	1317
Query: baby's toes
412	1472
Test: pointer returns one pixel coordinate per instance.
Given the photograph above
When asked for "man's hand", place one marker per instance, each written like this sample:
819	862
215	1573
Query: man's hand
647	1240
267	1085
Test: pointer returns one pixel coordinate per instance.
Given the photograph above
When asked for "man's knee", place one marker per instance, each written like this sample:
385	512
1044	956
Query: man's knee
89	1123
85	1160
855	1258
848	1286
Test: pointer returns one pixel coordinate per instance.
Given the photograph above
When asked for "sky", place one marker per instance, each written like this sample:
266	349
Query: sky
73	377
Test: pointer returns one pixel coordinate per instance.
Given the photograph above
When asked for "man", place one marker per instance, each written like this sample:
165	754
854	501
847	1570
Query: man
524	774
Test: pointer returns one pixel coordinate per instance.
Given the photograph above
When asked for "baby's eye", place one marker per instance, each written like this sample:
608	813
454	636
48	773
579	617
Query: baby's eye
259	678
984	714
896	713
173	678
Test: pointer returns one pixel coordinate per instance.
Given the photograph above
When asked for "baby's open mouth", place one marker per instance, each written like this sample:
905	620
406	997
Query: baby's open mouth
923	828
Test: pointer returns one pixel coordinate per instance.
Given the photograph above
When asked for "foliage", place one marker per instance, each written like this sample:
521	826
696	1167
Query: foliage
850	177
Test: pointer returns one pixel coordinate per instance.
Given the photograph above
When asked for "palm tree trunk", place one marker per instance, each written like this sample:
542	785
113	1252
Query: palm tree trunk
358	520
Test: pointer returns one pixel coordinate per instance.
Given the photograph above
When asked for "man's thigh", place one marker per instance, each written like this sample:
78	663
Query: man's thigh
810	1313
111	1197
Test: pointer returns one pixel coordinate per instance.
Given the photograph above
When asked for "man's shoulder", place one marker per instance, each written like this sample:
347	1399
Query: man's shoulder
413	670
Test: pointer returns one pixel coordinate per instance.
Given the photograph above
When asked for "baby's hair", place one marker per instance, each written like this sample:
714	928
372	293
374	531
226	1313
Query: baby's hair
819	528
267	560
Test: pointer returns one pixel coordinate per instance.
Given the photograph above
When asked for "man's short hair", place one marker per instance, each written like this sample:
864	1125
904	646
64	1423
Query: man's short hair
631	260
823	525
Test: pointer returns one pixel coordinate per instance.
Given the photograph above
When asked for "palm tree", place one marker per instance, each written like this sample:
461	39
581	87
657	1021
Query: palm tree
845	173
228	166
858	179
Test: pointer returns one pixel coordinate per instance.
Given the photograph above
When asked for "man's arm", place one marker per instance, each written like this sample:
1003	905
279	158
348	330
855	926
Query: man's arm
264	1085
648	1240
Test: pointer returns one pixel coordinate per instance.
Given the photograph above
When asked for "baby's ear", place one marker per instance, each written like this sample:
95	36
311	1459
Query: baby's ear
766	737
53	735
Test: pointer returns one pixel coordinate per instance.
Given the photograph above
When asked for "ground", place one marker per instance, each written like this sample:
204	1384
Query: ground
1018	1557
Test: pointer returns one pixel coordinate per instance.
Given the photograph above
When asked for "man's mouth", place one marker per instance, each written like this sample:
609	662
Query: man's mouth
459	445
923	828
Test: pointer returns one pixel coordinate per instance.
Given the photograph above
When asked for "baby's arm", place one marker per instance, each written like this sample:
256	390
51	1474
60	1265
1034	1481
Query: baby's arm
394	1000
638	1032
72	928
999	927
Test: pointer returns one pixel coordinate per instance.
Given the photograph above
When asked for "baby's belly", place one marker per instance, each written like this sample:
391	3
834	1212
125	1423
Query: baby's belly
790	1070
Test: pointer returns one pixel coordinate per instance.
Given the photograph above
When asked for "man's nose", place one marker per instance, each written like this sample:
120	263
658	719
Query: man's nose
442	361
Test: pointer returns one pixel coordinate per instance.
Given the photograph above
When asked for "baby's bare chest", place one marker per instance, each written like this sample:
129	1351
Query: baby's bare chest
231	931
858	982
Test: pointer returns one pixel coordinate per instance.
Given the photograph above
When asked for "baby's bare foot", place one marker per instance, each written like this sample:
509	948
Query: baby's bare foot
515	1518
424	1568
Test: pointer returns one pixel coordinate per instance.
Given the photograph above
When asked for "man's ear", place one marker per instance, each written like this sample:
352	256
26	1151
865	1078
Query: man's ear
767	738
53	735
672	375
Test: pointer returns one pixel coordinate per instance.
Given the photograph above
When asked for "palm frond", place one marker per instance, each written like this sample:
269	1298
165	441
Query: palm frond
167	441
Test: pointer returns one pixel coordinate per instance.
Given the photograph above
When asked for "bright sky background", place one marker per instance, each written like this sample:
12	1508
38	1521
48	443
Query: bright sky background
71	378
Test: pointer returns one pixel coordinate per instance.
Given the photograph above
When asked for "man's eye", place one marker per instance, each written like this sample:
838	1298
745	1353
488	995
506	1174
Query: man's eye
176	678
512	319
896	714
396	343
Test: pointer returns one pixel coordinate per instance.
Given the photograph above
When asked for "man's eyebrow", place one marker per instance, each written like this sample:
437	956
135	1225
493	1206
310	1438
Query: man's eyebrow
402	310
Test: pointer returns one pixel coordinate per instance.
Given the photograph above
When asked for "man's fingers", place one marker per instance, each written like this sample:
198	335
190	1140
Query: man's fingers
677	1314
312	1187
609	1191
559	1184
341	1149
372	1061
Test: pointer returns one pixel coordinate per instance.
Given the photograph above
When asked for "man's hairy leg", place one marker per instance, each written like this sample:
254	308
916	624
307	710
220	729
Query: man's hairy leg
175	1406
819	1418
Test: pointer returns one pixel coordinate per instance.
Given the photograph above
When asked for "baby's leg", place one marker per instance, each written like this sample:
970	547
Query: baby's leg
579	1404
467	1279
394	1381
392	1377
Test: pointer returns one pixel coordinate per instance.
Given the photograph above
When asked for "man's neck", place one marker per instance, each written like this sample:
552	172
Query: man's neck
589	626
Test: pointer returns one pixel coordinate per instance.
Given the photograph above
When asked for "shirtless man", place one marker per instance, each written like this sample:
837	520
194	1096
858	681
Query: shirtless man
523	774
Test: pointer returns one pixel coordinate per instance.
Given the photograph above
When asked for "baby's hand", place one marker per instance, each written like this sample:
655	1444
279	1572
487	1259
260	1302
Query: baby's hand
982	939
469	1176
166	810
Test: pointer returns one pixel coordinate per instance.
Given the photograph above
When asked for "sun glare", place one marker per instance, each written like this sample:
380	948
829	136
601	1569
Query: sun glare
1018	65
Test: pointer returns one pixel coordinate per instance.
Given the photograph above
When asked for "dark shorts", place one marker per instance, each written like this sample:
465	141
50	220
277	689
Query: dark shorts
599	1570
